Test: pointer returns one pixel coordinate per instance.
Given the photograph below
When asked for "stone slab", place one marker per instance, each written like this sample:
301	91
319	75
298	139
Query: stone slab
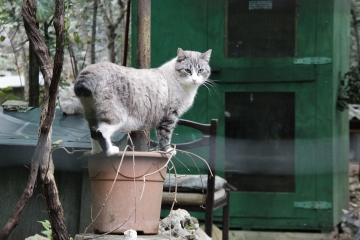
13	105
119	237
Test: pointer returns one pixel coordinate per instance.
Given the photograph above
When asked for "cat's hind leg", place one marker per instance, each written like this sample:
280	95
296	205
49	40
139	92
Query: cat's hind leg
103	134
96	148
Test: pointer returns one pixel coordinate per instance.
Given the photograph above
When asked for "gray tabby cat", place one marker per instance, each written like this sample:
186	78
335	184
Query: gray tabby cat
117	98
351	223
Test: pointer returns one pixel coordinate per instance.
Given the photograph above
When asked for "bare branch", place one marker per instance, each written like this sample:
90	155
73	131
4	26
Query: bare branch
103	13
121	15
16	59
42	157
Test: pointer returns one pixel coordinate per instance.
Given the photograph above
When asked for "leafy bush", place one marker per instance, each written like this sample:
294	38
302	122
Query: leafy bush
6	94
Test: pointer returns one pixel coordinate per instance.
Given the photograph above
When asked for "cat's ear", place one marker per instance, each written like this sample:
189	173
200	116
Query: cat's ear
206	55
345	211
180	55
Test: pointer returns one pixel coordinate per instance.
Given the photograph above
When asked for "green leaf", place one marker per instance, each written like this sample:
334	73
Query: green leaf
45	10
67	24
46	232
46	224
77	38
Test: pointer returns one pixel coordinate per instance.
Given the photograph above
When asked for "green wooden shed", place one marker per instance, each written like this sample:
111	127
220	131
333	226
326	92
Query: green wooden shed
276	65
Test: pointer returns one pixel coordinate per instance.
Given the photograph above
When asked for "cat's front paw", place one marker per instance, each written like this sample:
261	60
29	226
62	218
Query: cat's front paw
112	150
95	146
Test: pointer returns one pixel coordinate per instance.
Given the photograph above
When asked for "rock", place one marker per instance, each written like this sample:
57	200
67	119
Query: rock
179	224
69	103
201	235
353	179
36	237
130	235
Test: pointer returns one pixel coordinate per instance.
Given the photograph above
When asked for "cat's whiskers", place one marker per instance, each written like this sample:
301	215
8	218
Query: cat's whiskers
209	83
207	88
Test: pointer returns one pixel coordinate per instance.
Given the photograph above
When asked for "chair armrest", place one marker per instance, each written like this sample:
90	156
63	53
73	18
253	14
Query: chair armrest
230	187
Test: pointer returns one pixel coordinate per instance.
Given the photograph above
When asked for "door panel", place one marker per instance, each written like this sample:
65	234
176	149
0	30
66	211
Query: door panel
296	156
260	141
301	35
260	28
268	107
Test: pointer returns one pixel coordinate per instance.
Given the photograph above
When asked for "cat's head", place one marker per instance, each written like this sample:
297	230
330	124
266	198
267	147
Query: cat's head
351	222
192	68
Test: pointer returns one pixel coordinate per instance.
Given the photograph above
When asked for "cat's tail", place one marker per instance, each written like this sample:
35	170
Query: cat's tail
84	86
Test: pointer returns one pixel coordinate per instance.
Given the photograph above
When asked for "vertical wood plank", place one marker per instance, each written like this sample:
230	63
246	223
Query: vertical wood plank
69	185
13	180
85	212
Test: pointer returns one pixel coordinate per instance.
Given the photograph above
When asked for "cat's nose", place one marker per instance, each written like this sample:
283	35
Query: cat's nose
194	80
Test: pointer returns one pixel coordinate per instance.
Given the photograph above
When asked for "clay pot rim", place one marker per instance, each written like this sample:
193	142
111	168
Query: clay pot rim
129	154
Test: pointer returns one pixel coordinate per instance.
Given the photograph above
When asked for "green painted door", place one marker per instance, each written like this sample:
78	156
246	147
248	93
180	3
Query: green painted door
274	99
266	107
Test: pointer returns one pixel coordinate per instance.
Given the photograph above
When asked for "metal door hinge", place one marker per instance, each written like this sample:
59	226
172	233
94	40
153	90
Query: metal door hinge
313	205
313	60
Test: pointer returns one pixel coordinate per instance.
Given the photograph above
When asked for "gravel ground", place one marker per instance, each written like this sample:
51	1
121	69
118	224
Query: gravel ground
354	194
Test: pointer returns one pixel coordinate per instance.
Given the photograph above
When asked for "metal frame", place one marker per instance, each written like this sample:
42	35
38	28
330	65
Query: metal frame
208	138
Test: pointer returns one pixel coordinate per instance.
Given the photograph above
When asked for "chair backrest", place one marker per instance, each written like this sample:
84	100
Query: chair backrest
208	138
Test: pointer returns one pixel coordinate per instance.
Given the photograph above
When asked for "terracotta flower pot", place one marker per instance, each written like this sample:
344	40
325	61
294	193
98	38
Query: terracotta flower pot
130	204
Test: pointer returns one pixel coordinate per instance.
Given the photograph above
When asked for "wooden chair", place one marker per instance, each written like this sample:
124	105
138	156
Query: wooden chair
213	200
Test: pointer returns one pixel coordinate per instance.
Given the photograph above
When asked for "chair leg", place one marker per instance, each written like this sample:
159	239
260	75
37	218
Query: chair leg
226	217
209	221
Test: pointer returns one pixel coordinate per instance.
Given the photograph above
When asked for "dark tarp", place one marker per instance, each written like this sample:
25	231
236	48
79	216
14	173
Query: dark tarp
19	135
21	128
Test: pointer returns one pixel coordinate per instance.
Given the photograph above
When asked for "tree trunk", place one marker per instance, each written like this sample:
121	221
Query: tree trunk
53	205
55	211
111	36
73	60
42	154
33	79
111	26
93	33
24	60
83	33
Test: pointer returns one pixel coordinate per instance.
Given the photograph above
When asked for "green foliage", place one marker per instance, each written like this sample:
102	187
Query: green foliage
77	38
7	17
5	63
349	93
6	94
47	232
45	9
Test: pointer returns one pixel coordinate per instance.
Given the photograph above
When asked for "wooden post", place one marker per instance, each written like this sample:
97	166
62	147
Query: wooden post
143	44
141	138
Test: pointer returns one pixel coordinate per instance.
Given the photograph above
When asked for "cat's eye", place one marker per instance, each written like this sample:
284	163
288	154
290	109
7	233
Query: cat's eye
200	70
187	70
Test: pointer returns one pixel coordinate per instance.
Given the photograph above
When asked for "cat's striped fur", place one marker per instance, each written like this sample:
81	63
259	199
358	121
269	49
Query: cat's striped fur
117	98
